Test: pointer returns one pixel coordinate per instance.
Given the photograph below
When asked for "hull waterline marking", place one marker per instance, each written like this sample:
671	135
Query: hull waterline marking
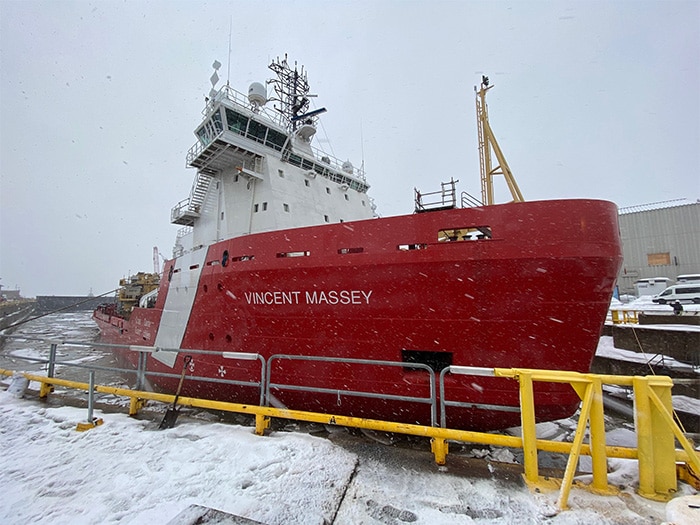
332	297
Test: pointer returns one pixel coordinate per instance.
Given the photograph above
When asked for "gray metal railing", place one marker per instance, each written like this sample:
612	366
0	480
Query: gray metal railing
437	398
431	399
467	371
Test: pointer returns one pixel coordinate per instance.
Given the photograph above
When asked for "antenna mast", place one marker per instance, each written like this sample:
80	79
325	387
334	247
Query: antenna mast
292	88
228	68
487	142
156	260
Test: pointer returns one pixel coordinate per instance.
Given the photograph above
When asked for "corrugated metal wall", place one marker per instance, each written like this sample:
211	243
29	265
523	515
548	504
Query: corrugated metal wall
648	235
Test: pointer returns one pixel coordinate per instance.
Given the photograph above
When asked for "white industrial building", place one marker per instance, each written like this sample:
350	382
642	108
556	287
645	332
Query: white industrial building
660	240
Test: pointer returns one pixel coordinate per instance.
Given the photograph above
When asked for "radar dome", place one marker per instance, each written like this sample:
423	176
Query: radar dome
348	167
257	94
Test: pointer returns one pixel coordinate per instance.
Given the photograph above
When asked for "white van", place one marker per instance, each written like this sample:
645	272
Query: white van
685	293
688	278
651	285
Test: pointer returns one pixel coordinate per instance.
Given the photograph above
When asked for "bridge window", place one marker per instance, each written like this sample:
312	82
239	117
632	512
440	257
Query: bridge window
256	131
236	122
216	121
275	139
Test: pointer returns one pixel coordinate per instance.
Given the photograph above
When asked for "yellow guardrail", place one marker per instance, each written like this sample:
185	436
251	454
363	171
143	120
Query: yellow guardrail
625	316
656	429
654	424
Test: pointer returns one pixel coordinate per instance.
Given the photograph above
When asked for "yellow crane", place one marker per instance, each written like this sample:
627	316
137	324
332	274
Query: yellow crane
487	143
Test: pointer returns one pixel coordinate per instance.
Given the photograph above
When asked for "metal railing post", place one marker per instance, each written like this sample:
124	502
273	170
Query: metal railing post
91	396
46	389
587	393
655	440
597	426
52	359
141	371
529	431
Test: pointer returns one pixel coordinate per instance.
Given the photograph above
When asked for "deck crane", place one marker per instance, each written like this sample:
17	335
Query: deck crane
487	142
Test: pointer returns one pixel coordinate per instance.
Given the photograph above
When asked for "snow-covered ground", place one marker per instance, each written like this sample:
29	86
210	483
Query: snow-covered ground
645	304
127	471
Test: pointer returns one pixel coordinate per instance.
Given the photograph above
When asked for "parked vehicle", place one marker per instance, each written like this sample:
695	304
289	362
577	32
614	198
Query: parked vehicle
652	286
685	293
688	278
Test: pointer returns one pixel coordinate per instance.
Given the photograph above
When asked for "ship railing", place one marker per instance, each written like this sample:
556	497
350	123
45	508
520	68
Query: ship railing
431	399
444	199
226	92
320	162
469	201
178	211
338	165
241	99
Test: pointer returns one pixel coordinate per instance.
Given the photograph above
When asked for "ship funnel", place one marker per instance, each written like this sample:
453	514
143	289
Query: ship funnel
257	94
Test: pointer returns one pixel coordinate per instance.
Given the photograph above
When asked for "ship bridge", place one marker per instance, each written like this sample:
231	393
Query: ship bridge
235	136
257	169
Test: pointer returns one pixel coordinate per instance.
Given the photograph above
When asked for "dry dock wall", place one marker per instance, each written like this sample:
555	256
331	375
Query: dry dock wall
69	303
12	312
681	342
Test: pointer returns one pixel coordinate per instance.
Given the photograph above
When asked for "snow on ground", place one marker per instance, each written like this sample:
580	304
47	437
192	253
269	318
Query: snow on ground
644	303
606	348
127	471
124	471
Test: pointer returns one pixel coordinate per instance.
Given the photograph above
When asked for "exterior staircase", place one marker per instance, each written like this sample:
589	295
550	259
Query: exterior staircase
188	210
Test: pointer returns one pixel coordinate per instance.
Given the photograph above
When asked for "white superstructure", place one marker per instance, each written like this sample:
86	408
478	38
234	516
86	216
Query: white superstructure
257	170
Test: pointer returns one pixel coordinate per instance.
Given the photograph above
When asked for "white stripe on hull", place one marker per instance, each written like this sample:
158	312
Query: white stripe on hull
178	304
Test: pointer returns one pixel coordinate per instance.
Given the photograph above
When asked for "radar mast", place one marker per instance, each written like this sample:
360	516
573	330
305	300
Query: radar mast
292	90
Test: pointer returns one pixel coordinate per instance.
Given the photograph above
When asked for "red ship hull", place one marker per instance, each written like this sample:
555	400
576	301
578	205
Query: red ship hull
533	295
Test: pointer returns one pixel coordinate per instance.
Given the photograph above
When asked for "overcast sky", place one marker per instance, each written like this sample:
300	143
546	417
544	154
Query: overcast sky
99	100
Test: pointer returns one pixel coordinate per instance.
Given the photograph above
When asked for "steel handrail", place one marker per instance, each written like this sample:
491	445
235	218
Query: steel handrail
419	366
141	371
